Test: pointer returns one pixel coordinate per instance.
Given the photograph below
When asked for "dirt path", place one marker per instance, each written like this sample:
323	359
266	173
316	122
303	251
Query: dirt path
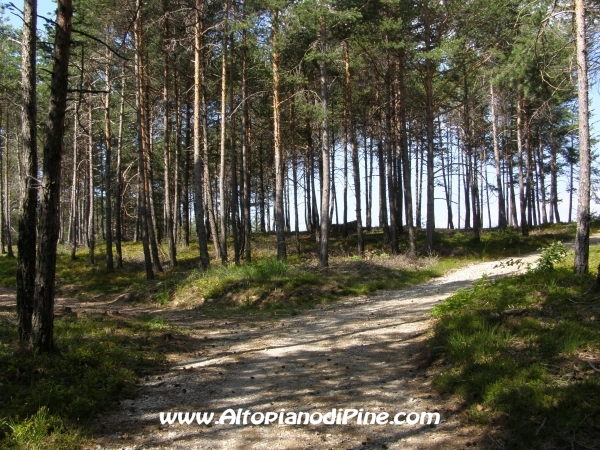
367	352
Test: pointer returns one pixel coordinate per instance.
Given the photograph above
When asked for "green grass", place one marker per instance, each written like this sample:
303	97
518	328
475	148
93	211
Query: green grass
48	399
52	398
277	286
516	350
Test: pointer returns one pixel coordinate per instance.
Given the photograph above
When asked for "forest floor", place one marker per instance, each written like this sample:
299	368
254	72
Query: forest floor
367	352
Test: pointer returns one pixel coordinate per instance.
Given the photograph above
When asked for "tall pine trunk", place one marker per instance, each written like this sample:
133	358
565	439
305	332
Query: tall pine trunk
354	151
26	243
501	203
107	164
119	187
582	238
43	312
142	209
326	181
198	119
169	226
222	193
279	166
246	152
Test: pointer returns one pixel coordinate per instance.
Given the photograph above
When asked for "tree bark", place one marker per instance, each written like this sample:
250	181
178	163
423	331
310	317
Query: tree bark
119	190
354	151
91	236
246	151
279	166
582	237
222	193
107	164
501	203
169	228
43	313
142	215
522	197
198	119
26	243
6	196
405	160
324	240
429	70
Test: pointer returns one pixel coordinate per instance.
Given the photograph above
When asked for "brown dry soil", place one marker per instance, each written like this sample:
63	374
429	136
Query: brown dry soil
367	352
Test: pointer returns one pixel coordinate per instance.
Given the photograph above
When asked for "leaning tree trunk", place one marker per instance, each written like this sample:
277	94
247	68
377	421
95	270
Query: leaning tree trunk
582	238
49	226
26	243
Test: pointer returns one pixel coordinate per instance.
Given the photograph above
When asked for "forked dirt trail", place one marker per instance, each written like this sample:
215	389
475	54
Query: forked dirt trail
367	352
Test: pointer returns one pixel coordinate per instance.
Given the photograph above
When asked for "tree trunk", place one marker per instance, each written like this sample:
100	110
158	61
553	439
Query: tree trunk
198	119
429	71
26	243
107	163
522	197
405	160
43	312
279	167
233	183
261	175
554	216
324	241
542	178
185	184
501	203
295	176
390	159
222	193
119	190
246	152
582	238
142	130
91	237
167	140
7	202
369	181
208	191
354	152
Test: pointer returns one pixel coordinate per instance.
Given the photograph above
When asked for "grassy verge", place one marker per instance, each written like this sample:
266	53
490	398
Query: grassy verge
282	287
47	400
517	351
